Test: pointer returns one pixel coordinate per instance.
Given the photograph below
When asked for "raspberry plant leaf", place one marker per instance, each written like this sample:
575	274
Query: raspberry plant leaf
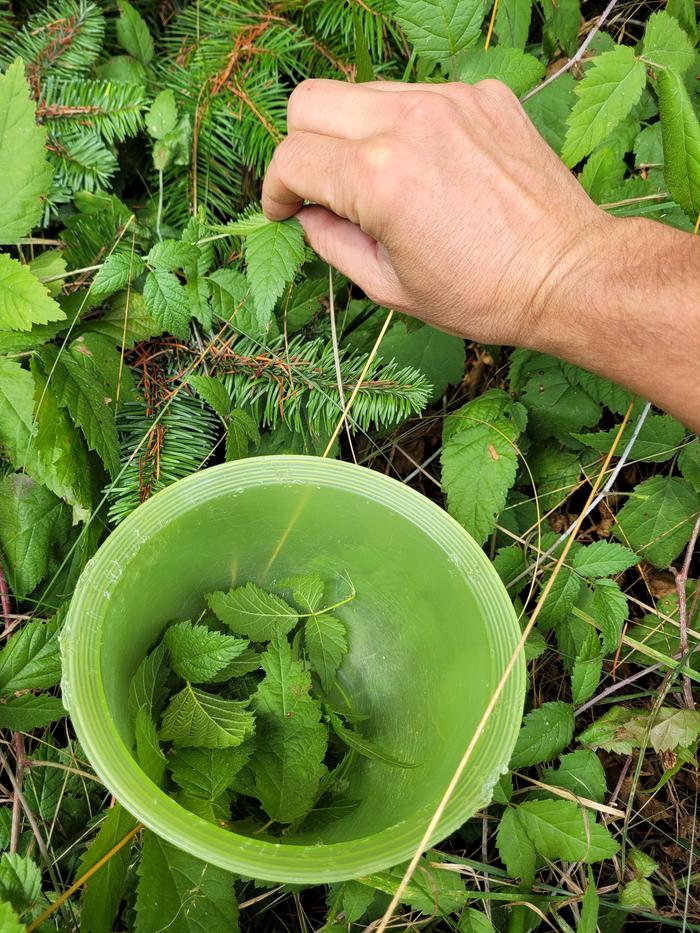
250	611
440	29
680	132
197	718
197	654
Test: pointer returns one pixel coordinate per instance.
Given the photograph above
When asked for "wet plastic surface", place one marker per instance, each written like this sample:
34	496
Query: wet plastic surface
430	632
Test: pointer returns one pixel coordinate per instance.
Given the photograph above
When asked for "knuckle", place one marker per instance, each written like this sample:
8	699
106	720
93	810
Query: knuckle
496	90
426	107
377	158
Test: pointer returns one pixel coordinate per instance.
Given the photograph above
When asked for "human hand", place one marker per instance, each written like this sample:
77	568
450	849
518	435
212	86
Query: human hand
439	200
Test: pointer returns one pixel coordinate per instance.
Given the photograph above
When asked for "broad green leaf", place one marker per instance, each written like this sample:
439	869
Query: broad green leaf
207	772
167	302
169	255
439	356
689	464
606	94
20	880
657	441
432	890
638	893
515	848
513	67
479	460
363	61
242	431
602	174
26	172
555	406
248	610
560	29
666	44
684	12
149	754
474	921
133	34
550	108
103	891
618	730
126	322
588	921
24	301
28	711
291	740
30	517
609	609
246	662
649	147
179	893
581	773
161	119
307	590
600	390
588	667
232	300
45	786
197	718
197	653
641	863
363	746
674	728
439	29
560	599
556	473
214	393
326	642
657	518
30	659
355	899
560	829
213	811
545	732
9	922
273	254
148	685
513	23
509	563
603	559
680	132
115	273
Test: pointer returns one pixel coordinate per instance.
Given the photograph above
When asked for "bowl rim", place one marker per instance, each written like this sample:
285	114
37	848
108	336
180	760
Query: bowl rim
114	764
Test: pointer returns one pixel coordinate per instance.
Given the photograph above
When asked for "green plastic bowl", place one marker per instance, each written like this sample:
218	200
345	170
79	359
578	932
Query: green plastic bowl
430	632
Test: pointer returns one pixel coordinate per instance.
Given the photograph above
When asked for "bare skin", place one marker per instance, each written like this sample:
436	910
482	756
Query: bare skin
443	201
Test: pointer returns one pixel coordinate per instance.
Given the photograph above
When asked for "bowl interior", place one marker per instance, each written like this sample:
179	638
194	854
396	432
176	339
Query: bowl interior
430	631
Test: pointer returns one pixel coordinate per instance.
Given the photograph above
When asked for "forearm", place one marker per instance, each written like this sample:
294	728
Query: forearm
630	312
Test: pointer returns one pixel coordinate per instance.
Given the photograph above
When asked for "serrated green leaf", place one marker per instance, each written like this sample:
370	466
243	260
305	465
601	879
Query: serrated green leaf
680	132
581	773
555	406
242	431
657	518
354	900
439	29
179	893
618	730
657	441
161	118
197	718
588	667
439	356
363	746
560	829
214	393
246	662
515	848
603	559
133	34
609	609
641	863
47	267
307	590
197	653
602	174
666	44
28	711
326	642
684	12
291	740
148	685
550	108
432	890
513	67
169	255
512	24
474	921
689	464
232	300
30	517
9	923
606	94
248	610
556	473
166	301
26	172
560	29
20	880
30	659
24	301
638	893
115	273
273	254
149	754
674	728
560	600
126	322
545	732
207	772
103	891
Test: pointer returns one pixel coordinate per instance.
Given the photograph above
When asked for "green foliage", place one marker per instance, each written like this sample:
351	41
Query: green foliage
197	654
273	252
513	23
133	34
657	518
197	718
440	29
102	892
546	731
326	643
512	66
680	132
666	44
20	880
248	610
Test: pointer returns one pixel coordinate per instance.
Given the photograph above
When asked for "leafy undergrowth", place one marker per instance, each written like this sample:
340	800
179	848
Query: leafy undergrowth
153	323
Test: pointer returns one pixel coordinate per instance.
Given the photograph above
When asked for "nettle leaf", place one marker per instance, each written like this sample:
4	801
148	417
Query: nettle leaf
166	300
30	517
657	518
550	108
556	473
689	464
197	653
31	658
148	686
439	356
242	431
20	880
246	662
603	559
609	609
273	254
560	599
326	643
26	172
28	711
133	34
115	273
232	299
515	848
9	922
513	67
291	740
475	921
439	29
432	890
684	12
479	460
588	667
606	94
603	174
126	321
354	900
680	132
103	891
149	754
169	255
641	863
207	772
545	732
618	730
24	301
561	26
560	829
512	25
214	393
249	610
657	441
581	773
666	44
197	718
307	590
638	893
179	893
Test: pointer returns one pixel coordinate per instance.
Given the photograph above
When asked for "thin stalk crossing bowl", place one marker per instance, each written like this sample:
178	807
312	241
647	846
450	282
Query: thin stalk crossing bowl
430	630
